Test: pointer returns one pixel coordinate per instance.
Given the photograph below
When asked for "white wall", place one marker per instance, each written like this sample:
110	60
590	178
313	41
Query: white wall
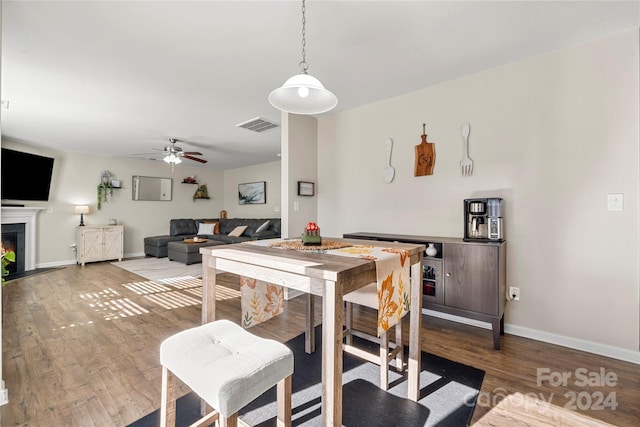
552	135
299	163
268	172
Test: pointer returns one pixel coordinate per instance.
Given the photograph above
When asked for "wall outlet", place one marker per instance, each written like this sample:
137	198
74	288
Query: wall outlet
514	293
615	201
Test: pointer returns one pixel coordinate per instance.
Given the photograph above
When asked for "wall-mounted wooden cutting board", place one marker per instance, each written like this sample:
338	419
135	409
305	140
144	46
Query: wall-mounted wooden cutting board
425	156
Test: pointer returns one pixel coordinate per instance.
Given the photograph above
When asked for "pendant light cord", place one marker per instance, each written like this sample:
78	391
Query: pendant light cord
303	64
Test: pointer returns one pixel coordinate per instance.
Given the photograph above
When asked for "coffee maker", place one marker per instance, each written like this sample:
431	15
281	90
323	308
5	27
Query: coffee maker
483	220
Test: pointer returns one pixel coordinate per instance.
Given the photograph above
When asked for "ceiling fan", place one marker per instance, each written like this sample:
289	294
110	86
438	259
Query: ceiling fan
173	153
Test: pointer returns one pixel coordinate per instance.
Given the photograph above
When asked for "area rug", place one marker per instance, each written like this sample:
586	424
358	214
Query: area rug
448	395
157	269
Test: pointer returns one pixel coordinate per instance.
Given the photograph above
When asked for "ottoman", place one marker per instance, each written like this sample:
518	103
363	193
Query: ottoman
189	253
157	245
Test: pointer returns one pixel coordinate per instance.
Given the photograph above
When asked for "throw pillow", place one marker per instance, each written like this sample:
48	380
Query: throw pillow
237	232
216	229
263	227
205	228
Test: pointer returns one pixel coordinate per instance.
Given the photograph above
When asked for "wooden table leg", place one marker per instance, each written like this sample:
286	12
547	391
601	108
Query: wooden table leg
332	320
208	290
208	305
309	332
415	328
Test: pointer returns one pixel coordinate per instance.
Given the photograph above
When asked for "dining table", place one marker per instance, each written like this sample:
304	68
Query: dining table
318	275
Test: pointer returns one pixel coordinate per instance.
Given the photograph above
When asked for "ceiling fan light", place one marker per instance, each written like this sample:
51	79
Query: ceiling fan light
172	158
303	94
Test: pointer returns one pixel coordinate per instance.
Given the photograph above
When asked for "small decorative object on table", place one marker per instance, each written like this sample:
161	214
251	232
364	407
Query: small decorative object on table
311	235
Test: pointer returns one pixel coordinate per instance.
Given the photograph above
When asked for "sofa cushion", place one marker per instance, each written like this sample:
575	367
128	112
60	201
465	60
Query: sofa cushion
205	228
216	226
228	224
263	226
181	227
237	232
225	238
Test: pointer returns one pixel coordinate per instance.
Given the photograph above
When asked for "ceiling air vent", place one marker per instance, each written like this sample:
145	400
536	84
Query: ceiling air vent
258	125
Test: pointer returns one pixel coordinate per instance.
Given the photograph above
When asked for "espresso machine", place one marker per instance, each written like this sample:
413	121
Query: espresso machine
483	220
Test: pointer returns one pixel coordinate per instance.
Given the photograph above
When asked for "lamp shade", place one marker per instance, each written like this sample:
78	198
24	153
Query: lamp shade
303	94
82	209
172	158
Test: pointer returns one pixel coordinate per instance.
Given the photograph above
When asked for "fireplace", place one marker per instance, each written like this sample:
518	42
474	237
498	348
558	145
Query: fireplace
13	240
14	218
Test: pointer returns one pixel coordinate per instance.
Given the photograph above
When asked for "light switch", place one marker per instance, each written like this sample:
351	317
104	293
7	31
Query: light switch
615	201
296	206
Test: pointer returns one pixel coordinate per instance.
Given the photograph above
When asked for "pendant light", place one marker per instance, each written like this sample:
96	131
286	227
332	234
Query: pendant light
303	93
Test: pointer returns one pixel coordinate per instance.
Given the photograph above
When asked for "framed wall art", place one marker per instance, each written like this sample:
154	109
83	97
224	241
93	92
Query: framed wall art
252	193
306	188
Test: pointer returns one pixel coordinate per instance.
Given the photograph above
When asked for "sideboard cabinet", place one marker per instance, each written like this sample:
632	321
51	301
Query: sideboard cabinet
99	243
465	279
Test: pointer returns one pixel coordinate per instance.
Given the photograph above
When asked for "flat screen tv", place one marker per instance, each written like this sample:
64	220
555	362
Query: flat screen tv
25	176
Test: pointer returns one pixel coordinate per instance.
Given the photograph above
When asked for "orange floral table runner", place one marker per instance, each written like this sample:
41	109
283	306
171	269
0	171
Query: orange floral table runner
392	272
260	301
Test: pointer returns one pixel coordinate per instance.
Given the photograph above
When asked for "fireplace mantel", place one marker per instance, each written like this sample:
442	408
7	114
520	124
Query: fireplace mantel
26	216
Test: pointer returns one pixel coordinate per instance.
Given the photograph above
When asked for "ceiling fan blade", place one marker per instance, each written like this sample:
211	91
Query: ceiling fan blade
186	156
194	153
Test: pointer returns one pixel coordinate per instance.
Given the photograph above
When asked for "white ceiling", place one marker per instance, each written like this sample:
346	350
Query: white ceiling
122	77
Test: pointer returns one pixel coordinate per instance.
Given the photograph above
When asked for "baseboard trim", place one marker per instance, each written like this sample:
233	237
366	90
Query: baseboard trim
547	337
73	261
575	343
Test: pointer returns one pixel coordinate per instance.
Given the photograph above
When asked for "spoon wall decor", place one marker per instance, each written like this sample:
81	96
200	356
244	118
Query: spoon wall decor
389	171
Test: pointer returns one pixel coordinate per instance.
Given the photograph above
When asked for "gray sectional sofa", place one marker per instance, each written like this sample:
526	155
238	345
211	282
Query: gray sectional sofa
186	228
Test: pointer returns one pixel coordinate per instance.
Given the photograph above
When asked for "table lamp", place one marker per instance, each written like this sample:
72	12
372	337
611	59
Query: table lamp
82	209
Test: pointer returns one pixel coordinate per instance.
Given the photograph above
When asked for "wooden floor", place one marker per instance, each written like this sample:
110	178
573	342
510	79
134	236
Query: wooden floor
80	348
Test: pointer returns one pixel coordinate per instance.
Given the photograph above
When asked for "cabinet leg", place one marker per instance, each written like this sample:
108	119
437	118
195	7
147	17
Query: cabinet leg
496	328
502	325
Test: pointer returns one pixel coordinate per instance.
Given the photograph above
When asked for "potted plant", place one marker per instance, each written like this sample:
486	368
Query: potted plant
201	192
7	257
105	188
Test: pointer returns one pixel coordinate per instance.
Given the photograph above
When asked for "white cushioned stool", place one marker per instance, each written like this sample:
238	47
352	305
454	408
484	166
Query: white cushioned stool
228	368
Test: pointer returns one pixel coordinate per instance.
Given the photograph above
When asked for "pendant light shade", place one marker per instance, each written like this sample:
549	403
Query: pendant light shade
303	94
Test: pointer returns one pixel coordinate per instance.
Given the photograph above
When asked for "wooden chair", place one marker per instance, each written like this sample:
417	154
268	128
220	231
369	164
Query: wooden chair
228	368
368	297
